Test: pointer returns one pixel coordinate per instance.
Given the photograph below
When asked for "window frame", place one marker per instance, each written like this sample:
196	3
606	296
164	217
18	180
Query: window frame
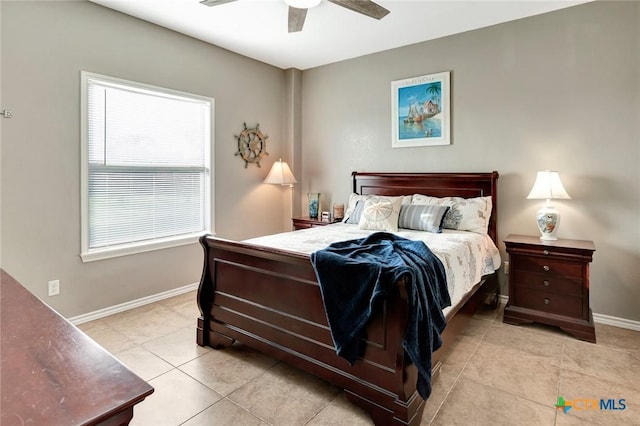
87	254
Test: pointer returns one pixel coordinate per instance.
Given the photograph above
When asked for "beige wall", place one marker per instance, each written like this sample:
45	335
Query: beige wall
45	45
558	91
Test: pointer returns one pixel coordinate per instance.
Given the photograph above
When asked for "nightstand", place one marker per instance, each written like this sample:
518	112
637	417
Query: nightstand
307	222
549	283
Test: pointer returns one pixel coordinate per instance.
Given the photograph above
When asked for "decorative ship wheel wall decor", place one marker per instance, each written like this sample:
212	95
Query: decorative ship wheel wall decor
252	145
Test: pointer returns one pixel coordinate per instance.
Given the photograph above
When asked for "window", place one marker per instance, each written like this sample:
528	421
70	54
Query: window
146	175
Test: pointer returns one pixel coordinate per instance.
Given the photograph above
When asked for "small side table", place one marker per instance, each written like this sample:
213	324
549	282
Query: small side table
549	283
307	222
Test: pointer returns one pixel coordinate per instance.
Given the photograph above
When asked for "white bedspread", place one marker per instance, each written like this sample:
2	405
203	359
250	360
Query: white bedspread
466	256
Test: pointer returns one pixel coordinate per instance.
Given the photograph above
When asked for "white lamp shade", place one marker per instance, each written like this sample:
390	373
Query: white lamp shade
303	4
548	186
280	174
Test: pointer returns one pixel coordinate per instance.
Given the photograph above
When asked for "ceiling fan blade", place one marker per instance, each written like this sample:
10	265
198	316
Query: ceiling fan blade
366	7
296	19
215	2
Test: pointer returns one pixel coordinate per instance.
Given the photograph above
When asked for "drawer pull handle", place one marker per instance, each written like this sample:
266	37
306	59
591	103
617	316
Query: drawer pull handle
546	268
546	283
546	252
546	301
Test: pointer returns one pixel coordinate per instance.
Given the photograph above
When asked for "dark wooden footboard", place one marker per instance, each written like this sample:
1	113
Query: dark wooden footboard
270	300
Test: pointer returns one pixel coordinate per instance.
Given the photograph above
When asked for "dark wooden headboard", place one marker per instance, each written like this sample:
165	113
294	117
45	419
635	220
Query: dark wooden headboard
466	185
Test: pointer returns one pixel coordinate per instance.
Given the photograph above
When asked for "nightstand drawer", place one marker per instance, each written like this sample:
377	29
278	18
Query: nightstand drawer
547	266
548	302
548	282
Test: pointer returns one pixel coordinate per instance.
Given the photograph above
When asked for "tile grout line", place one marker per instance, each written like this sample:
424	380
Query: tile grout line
337	395
200	412
455	381
559	383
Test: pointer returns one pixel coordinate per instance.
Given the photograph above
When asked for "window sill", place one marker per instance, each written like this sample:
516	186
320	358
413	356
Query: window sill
126	250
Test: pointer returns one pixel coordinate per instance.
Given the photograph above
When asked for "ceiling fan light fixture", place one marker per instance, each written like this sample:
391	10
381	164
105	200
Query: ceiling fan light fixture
303	4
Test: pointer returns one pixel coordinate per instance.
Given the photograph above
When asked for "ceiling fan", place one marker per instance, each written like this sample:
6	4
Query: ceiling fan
298	9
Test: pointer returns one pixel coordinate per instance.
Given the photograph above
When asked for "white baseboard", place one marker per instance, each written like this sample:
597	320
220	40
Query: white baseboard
617	322
601	318
101	313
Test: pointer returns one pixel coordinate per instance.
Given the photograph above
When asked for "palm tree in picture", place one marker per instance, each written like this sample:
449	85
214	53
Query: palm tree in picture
434	91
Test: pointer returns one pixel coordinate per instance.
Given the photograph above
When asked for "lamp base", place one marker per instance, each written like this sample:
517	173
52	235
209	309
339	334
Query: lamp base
548	219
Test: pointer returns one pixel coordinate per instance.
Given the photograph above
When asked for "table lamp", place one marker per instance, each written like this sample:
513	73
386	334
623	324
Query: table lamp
547	187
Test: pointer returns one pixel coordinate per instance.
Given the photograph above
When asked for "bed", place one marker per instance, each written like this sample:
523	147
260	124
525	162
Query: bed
237	301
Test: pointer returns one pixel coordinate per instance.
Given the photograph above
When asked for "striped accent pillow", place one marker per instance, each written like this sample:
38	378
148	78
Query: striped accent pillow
354	216
426	217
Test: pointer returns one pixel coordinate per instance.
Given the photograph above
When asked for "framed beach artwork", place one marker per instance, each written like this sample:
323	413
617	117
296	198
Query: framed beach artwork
420	111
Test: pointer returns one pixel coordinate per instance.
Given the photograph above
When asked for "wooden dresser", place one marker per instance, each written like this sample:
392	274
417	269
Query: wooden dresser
549	283
54	374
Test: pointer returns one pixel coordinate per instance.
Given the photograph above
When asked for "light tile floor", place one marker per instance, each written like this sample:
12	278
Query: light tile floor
496	374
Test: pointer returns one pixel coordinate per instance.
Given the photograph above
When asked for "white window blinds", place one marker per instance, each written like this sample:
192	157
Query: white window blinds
147	164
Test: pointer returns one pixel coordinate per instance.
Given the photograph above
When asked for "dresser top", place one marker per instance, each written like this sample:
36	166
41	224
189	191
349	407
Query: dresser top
52	373
559	243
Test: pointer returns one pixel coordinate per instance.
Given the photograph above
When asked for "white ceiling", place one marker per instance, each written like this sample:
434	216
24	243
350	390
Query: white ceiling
258	28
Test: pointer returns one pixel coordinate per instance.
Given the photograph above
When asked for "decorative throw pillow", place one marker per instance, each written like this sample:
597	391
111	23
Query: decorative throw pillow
351	205
465	214
426	217
356	214
380	213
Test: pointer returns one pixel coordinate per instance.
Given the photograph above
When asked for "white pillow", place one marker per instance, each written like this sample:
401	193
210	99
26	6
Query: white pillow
465	214
380	213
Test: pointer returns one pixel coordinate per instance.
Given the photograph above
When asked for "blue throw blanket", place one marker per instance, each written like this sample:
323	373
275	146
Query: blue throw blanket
355	275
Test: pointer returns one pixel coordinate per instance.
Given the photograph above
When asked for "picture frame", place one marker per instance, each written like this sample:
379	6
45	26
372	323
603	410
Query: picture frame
421	111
